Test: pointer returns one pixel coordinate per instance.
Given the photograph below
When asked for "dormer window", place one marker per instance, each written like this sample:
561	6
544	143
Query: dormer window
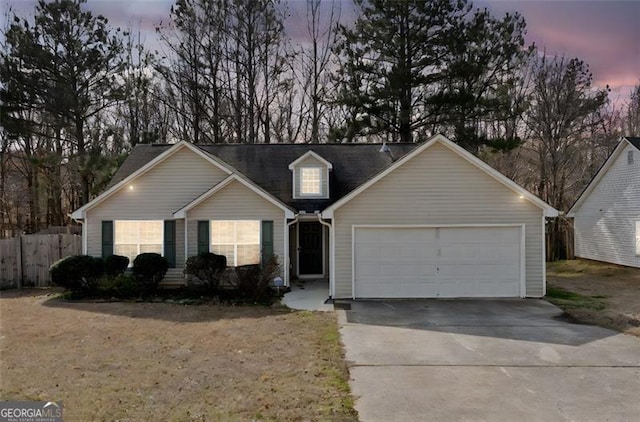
311	181
310	176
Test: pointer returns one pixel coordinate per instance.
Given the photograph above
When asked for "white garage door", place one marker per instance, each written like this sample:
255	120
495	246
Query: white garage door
394	262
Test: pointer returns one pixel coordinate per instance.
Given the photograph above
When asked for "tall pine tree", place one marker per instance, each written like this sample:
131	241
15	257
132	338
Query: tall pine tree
411	68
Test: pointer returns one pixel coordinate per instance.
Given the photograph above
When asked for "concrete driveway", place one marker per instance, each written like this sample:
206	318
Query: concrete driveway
486	360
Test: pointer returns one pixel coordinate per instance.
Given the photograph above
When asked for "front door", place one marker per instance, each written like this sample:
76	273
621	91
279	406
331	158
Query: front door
310	248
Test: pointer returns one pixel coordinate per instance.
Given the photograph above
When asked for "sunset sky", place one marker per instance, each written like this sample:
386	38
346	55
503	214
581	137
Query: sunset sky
605	34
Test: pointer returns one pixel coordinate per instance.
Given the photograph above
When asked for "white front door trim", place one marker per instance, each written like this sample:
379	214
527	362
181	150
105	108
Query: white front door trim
324	251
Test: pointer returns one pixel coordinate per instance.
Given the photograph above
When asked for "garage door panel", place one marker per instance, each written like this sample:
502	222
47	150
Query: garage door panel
393	236
474	271
499	235
437	262
480	251
396	254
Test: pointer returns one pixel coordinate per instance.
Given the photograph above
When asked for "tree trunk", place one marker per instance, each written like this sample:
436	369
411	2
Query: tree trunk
82	161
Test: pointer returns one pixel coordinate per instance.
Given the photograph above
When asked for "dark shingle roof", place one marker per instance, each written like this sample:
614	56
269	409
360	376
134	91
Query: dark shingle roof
141	155
267	165
634	141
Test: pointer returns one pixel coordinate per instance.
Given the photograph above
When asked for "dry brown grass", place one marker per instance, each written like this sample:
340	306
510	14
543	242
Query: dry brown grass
603	294
158	361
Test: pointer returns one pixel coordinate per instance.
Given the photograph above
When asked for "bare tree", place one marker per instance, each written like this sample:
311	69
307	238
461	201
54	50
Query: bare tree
322	32
137	113
192	90
565	108
255	66
224	68
633	113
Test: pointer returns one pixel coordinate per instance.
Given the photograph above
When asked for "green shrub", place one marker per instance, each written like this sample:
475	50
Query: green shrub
78	273
254	282
149	269
115	265
122	286
127	286
207	268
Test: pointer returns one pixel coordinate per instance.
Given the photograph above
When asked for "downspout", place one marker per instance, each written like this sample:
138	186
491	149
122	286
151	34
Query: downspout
328	225
288	251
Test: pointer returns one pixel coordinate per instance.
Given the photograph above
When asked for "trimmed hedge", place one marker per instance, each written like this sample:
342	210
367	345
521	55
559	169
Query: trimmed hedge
115	265
122	286
78	273
149	269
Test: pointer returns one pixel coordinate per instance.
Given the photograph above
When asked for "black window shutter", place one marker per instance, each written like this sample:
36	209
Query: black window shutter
170	242
203	236
107	238
267	241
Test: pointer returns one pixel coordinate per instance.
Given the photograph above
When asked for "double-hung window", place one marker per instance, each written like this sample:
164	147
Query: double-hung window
311	181
133	237
238	240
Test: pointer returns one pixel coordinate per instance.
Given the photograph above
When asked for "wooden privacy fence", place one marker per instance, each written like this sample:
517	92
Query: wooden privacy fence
25	260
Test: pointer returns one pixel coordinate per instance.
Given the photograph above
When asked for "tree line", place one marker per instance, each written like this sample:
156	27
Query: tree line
76	93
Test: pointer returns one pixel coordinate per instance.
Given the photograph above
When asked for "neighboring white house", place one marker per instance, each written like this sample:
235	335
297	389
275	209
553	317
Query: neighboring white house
607	213
375	221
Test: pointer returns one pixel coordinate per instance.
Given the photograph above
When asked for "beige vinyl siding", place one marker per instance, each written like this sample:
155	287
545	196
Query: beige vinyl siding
605	222
324	174
156	195
237	202
438	187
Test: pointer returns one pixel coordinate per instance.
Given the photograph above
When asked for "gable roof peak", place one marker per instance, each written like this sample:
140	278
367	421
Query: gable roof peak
172	149
308	154
439	138
613	156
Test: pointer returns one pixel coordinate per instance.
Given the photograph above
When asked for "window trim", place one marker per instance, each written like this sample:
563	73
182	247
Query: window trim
324	182
236	244
115	234
311	172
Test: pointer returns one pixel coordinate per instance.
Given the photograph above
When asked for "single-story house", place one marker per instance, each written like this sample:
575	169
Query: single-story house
607	213
375	221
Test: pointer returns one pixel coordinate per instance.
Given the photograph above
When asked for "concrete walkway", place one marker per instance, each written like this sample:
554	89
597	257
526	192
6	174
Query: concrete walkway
486	360
309	295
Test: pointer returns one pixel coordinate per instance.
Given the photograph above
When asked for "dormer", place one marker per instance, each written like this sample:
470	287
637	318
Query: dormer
310	176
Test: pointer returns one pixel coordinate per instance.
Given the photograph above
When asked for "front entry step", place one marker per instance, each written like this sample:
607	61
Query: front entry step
173	279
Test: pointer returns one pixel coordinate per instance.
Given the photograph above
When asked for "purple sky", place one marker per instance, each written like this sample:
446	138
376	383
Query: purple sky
605	34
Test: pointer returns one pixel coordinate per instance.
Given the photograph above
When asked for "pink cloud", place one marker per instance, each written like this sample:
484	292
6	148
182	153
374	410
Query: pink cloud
604	34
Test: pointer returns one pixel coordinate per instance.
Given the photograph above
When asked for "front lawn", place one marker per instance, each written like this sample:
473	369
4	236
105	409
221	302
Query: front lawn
596	293
160	361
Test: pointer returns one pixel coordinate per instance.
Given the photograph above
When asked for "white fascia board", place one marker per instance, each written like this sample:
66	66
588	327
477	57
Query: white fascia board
599	175
80	213
182	212
310	154
328	212
225	167
549	211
